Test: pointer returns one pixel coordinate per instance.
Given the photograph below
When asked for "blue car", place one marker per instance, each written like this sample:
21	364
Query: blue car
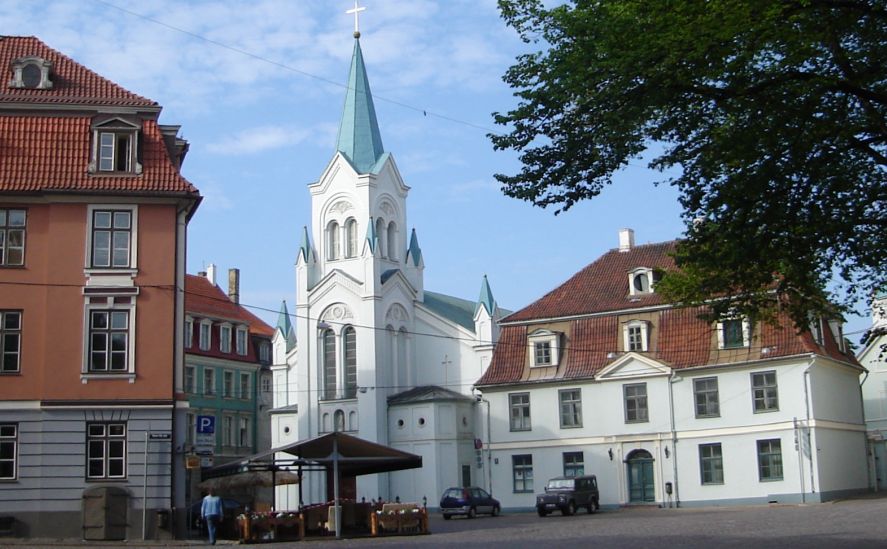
468	502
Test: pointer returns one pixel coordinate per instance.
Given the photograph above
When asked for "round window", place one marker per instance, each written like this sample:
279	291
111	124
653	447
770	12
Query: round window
421	421
286	430
400	424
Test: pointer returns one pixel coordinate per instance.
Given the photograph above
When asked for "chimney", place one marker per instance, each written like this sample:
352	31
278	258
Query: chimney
211	273
626	240
234	285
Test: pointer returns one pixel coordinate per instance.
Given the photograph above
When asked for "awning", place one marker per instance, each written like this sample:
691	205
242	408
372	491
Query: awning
356	456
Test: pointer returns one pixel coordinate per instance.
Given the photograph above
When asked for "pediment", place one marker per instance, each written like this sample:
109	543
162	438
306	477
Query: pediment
633	365
335	279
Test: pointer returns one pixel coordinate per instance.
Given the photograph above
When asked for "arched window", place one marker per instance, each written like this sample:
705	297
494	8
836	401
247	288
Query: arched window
351	238
403	368
339	420
352	420
329	364
382	234
392	240
350	344
332	239
325	424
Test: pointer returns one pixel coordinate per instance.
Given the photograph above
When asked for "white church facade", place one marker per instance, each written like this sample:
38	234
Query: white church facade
367	350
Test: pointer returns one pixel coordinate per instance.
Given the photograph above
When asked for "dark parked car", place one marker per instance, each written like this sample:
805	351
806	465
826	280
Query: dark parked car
467	501
566	494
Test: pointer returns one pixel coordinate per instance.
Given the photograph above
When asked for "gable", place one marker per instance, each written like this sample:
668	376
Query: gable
633	365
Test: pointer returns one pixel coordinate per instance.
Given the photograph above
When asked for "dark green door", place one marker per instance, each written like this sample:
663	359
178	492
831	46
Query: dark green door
640	477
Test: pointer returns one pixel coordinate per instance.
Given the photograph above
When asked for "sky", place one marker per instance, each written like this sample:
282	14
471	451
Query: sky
258	88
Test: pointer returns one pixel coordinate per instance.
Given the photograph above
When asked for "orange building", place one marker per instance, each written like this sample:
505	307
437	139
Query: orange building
93	218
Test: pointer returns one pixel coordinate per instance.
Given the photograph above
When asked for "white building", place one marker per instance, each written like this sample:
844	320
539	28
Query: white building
600	376
372	352
874	392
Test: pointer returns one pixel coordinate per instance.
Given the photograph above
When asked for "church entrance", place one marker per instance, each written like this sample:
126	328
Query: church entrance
641	488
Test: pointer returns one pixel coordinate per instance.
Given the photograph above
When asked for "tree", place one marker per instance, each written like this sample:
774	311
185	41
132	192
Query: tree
774	111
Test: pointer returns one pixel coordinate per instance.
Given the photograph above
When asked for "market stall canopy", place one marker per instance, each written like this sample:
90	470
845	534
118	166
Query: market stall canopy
246	479
355	456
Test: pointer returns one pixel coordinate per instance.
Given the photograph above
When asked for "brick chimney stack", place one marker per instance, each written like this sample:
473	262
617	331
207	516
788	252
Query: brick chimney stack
234	285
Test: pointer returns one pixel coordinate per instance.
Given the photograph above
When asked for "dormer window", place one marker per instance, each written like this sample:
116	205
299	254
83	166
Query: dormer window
225	338
31	73
642	281
838	333
734	333
544	348
635	336
115	147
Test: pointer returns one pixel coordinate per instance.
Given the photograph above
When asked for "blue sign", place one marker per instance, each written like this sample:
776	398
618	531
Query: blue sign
206	425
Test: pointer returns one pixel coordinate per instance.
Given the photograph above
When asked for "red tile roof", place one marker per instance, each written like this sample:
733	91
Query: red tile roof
206	300
72	83
52	153
592	342
601	286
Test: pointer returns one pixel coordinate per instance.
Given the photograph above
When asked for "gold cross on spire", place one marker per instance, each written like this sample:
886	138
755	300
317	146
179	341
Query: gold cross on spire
356	11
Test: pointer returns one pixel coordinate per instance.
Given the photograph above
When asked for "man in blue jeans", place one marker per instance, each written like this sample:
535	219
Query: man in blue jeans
211	512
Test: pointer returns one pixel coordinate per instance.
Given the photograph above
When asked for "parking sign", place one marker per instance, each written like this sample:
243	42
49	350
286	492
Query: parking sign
206	425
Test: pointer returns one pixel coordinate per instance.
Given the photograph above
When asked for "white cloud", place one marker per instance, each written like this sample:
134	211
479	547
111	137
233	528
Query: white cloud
253	140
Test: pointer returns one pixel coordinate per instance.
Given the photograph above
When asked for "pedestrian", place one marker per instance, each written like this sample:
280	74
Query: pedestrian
211	512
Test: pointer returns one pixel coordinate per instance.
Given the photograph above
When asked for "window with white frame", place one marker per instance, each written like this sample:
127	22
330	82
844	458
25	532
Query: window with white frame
571	408
112	238
266	384
109	340
544	348
711	464
106	450
574	464
635	402
332	236
705	392
765	392
634	336
349	340
10	341
240	340
12	237
189	332
225	338
244	386
228	435
243	432
209	381
31	72
642	280
770	460
115	147
522	473
189	379
205	334
228	384
264	351
837	330
330	366
816	329
519	404
734	333
351	240
8	451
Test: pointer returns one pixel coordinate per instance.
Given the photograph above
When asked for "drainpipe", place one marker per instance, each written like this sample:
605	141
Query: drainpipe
674	438
808	437
869	449
489	450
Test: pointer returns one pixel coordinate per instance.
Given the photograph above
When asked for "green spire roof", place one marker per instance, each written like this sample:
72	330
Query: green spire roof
359	138
414	251
372	238
305	248
486	298
286	327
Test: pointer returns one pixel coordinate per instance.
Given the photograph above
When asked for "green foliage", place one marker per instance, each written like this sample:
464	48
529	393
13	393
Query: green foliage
773	111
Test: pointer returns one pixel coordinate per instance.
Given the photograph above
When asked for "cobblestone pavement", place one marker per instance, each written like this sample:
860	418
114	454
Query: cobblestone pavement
857	523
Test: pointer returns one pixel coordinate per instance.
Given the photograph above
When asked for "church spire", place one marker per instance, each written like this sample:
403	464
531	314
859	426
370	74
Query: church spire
286	327
486	299
359	139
